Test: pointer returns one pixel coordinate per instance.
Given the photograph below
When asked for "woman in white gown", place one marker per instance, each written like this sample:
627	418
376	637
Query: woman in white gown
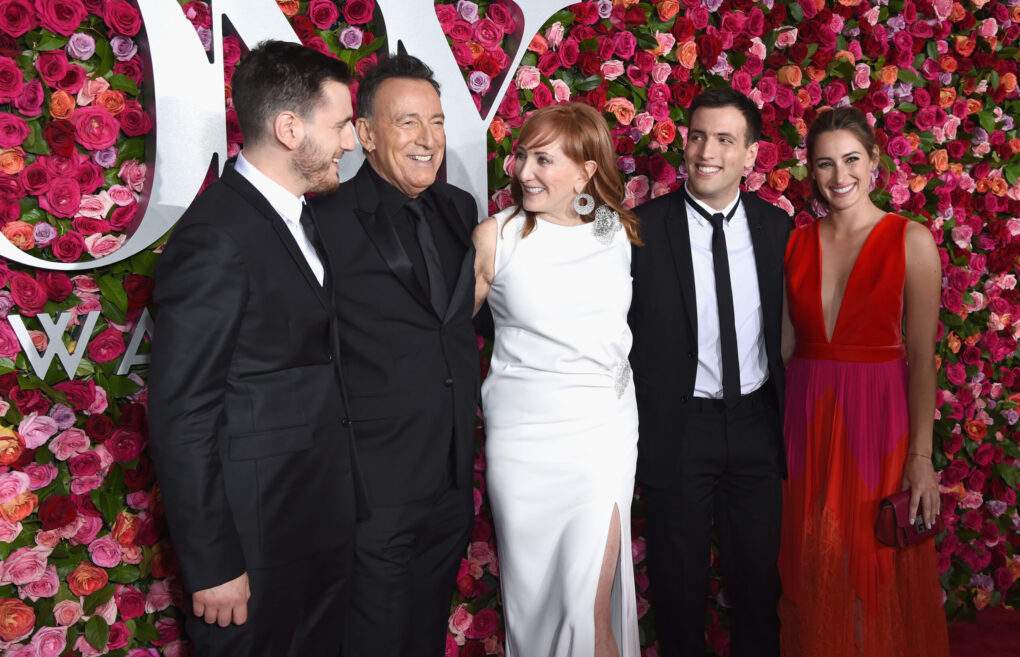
560	416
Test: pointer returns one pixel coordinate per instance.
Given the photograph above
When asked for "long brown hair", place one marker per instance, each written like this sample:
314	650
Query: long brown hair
584	135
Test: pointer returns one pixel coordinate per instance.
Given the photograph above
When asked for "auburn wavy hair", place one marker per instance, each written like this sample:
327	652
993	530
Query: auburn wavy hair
583	135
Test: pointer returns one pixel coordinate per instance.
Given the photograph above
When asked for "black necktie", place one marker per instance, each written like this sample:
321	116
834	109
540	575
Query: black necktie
433	265
724	300
308	225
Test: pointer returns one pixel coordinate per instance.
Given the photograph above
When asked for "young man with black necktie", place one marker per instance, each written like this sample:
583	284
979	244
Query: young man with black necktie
706	317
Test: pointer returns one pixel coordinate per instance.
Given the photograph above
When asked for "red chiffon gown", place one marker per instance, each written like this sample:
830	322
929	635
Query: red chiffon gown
847	434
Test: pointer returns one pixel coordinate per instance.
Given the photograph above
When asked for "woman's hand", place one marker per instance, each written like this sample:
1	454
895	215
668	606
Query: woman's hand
919	478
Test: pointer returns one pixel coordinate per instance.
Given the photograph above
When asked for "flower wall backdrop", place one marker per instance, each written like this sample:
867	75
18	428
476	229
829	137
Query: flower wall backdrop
86	567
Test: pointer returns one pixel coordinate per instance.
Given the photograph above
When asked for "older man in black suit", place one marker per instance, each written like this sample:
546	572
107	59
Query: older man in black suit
246	399
401	243
706	316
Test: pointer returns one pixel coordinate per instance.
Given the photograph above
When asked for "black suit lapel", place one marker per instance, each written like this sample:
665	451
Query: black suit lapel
462	229
240	184
379	228
680	244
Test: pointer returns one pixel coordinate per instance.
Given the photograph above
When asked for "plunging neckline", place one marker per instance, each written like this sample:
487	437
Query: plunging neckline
849	278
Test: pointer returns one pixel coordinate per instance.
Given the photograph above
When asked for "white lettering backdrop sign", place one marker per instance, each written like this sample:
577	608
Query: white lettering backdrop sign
185	97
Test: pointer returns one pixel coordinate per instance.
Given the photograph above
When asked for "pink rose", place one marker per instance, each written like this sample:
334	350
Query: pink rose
40	475
95	206
12	484
25	565
862	76
91	89
9	530
637	187
105	552
561	92
69	443
177	648
460	620
528	77
103	245
44	587
121	195
98	404
132	172
95	128
487	33
67	612
130	602
542	96
644	122
85	648
29	103
446	14
50	641
9	344
624	44
158	598
119	636
612	69
36	429
61	16
89	526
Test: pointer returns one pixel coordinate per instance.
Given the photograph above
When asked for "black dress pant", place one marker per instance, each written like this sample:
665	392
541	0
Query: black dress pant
405	570
728	477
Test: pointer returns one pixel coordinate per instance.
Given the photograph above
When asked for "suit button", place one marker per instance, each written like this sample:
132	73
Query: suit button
690	355
329	358
683	399
448	383
346	422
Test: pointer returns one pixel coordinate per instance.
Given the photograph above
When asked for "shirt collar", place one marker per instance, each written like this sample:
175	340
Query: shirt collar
286	204
697	215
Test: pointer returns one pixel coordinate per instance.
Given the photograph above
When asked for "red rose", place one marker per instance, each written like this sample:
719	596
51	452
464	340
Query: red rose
358	12
132	68
768	157
303	27
95	128
11	79
90	177
141	477
52	66
98	427
589	63
502	17
28	294
59	134
16	17
134	120
624	44
148	534
510	107
139	290
597	97
56	511
122	18
56	284
63	198
13	130
16	619
90	226
122	216
323	13
106	346
61	16
86	579
487	64
73	80
709	49
125	445
80	394
9	45
130	601
548	63
542	96
29	401
683	29
68	247
84	464
132	416
483	625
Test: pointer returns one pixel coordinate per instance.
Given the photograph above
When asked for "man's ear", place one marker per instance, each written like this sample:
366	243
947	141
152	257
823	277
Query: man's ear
288	129
752	155
366	135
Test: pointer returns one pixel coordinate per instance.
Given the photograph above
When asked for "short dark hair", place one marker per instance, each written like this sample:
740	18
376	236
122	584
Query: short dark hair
400	65
277	76
728	97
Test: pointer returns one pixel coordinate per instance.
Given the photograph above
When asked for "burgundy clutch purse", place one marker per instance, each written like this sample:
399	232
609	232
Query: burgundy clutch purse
894	528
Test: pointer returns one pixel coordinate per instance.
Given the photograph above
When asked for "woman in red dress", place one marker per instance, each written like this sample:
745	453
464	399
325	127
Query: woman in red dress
863	289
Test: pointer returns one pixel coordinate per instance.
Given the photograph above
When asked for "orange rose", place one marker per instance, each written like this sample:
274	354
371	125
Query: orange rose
889	74
477	49
11	446
20	234
917	183
16	619
953	342
1014	567
974	105
87	579
779	179
814	73
1008	81
915	141
497	129
947	96
999	186
964	44
289	7
20	507
849	3
976	429
668	9
12	160
112	100
1014	145
126	528
687	54
622	109
947	63
992	42
981	596
956	168
845	54
802	126
939	159
972	339
804	98
1014	15
981	185
790	75
538	45
61	105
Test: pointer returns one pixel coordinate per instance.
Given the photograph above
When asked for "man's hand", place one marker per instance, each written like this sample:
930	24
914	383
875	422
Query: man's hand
225	603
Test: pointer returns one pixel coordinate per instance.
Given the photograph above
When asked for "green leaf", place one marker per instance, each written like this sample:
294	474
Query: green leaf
124	83
51	42
799	172
100	597
1012	173
113	289
796	12
1009	474
103	57
646	41
97	632
376	44
121	386
908	108
124	574
587	84
35	143
906	75
133	148
145	632
43	612
987	120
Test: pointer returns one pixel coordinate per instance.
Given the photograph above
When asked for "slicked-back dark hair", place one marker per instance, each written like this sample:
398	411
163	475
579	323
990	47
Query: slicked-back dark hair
400	65
728	97
277	76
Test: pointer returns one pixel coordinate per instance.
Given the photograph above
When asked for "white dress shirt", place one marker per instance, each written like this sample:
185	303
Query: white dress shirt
287	206
746	302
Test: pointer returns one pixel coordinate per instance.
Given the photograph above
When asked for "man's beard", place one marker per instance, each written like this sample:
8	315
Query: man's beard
311	163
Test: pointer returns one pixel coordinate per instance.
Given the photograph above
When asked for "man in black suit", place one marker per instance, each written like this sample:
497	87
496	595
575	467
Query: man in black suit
706	317
401	244
246	397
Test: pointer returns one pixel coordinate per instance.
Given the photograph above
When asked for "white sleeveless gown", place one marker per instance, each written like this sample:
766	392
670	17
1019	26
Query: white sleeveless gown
561	434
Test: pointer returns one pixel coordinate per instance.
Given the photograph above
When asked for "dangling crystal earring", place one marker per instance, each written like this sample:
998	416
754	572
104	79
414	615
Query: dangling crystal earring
584	204
606	224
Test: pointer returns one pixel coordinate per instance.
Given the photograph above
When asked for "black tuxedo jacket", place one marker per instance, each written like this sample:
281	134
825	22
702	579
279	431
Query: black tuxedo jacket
412	375
665	325
245	397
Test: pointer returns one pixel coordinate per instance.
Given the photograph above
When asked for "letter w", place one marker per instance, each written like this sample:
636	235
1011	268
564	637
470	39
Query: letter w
56	346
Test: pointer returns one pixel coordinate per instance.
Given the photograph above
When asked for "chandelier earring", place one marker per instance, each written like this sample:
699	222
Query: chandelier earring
584	204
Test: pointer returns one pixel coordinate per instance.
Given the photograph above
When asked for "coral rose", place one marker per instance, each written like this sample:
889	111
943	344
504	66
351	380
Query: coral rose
16	619
87	579
20	234
19	508
622	109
